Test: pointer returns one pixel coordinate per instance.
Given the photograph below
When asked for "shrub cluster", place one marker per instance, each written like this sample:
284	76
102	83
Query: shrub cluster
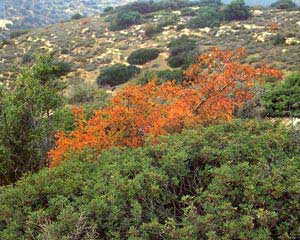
116	74
234	181
142	56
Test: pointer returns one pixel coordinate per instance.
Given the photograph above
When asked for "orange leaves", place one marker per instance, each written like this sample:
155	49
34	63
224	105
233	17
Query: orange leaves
214	87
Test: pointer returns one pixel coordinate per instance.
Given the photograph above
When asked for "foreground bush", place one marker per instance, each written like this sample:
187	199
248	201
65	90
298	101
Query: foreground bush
142	56
283	100
117	74
28	121
234	181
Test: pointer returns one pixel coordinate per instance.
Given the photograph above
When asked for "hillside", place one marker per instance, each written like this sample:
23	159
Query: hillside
27	14
89	45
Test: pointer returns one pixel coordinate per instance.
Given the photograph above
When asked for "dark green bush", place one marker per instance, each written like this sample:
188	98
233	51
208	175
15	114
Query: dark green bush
116	74
18	33
206	17
142	56
161	76
188	12
232	181
152	29
124	20
278	39
284	4
182	51
236	10
145	7
283	100
77	16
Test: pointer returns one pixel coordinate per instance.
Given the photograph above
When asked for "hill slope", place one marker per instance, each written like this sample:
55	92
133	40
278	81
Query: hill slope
89	45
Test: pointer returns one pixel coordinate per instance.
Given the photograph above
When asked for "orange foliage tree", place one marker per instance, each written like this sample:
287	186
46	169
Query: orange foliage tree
214	87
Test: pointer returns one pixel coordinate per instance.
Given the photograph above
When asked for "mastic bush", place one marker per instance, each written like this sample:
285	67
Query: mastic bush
182	52
161	76
236	10
142	56
124	20
284	4
206	17
116	74
238	180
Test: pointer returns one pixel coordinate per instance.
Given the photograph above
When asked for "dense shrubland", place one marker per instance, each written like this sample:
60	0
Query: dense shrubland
233	181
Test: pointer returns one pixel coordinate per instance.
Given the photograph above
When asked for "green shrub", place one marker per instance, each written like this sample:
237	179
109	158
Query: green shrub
236	10
124	20
278	39
18	33
76	16
161	76
152	29
232	181
206	17
283	100
170	75
182	51
142	56
116	74
284	4
188	12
